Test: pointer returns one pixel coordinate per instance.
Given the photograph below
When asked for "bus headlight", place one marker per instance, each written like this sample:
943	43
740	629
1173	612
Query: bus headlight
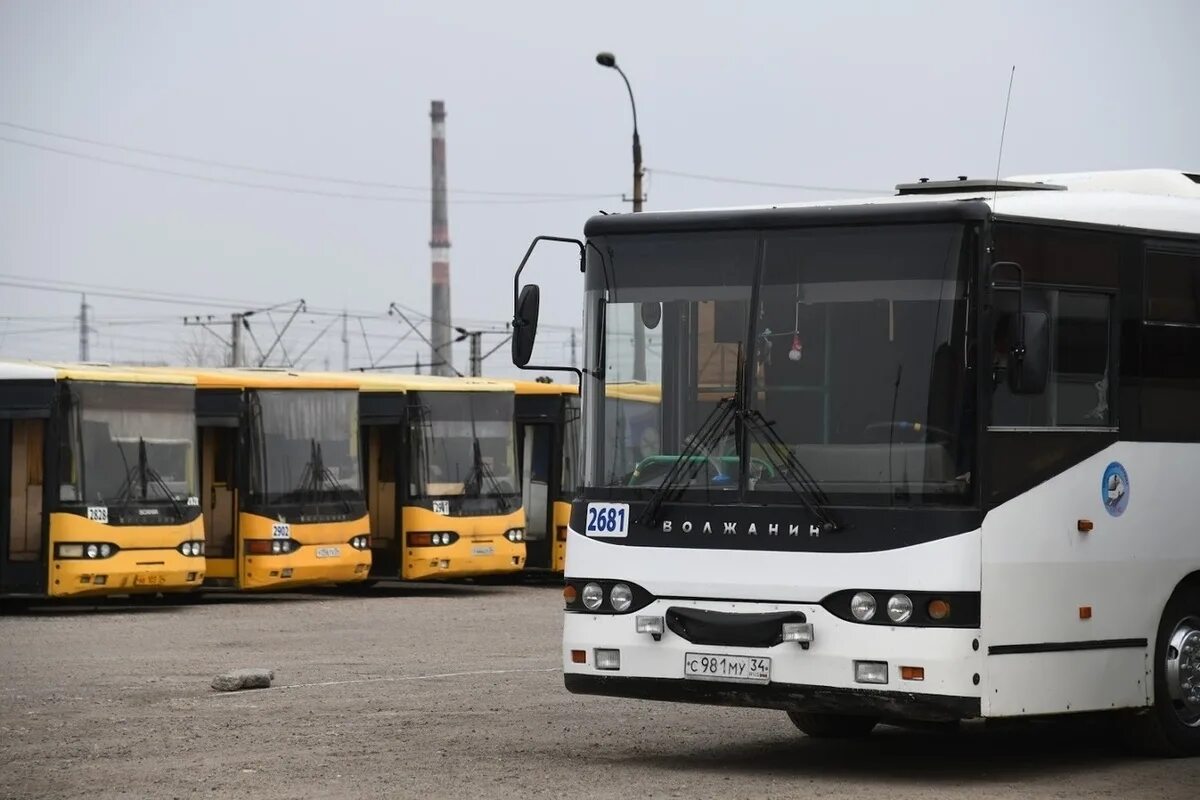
592	596
515	535
862	606
85	550
362	542
621	598
899	608
192	548
425	539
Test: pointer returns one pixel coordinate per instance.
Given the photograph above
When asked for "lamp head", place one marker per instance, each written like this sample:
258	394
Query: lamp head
606	59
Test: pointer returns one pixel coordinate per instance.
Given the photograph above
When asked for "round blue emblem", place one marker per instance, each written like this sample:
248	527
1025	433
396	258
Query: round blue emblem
1114	489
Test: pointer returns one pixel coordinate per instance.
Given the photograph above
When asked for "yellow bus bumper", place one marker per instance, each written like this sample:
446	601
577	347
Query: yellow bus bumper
146	559
127	572
481	547
303	568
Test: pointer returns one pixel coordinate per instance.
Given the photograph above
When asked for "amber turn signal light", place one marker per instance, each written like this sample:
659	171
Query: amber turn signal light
579	656
1084	526
938	609
912	673
1085	612
569	593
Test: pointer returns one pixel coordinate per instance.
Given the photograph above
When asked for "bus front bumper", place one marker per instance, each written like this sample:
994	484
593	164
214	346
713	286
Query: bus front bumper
470	556
127	572
822	678
303	567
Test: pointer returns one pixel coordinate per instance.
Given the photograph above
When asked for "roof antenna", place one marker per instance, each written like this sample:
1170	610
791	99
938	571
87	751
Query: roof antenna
1003	128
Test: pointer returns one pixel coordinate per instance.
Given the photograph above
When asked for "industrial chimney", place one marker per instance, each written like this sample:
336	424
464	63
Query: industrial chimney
442	355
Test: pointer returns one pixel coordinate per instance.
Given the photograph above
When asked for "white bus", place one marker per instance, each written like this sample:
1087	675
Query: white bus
926	457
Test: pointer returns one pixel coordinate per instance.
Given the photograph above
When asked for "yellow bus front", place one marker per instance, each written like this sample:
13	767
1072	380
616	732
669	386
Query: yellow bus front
127	516
462	514
303	520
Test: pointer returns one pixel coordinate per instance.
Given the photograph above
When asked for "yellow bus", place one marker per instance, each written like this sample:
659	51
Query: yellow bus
98	489
441	475
548	435
281	479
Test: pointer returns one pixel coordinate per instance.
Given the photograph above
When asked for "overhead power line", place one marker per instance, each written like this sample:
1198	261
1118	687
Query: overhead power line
768	184
511	195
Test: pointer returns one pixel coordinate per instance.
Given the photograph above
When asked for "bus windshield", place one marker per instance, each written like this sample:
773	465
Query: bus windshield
129	444
838	353
304	447
463	444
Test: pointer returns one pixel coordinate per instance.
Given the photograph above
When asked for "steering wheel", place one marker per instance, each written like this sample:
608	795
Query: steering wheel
884	431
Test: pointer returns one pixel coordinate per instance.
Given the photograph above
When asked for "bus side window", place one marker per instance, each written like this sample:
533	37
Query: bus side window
1078	391
1171	346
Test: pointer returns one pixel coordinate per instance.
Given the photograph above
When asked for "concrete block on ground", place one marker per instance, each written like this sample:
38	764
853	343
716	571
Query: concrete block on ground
238	679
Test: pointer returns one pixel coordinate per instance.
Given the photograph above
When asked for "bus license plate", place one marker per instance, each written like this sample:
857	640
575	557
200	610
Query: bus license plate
149	580
328	552
482	550
738	669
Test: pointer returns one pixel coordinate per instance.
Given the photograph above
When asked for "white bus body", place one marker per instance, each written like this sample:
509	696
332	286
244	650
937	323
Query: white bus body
1061	526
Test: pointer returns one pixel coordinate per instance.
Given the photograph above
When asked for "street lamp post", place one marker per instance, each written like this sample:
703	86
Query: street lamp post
639	332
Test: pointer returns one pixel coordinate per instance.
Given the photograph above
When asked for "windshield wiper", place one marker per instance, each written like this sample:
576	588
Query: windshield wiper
481	472
683	471
790	468
315	477
143	474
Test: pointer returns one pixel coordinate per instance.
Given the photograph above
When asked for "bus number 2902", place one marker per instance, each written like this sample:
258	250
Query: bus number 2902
607	519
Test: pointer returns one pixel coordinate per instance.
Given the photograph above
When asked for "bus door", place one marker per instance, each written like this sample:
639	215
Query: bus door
218	490
381	468
22	521
537	492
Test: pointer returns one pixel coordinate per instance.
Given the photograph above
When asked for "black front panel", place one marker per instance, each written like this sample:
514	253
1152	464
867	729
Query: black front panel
23	399
219	407
785	528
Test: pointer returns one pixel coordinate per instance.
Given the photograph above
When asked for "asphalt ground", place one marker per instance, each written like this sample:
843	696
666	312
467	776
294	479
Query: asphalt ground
452	691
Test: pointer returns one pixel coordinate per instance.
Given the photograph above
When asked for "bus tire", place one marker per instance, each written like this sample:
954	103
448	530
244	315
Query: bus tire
1171	726
832	726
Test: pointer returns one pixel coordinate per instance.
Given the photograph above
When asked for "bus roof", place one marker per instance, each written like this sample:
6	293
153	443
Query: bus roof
398	382
537	387
1161	200
251	378
106	373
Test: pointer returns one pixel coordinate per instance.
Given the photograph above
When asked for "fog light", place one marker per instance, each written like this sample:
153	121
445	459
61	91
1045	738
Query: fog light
862	606
444	564
285	573
870	672
899	608
607	659
651	625
593	596
100	580
191	577
801	632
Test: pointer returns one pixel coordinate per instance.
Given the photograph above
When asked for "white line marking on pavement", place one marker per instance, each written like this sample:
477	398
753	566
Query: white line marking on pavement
391	678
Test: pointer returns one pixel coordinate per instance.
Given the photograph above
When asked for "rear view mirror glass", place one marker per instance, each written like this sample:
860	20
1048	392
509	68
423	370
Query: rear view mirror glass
525	320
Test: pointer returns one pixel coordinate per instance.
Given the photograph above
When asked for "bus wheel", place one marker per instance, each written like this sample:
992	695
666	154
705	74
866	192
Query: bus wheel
832	726
1171	727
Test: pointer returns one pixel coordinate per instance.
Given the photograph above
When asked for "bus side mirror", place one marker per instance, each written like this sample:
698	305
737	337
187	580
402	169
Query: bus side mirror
525	320
1029	360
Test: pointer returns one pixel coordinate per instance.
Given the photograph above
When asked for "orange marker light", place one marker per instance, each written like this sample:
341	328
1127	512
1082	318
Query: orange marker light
912	673
579	656
569	593
1084	526
938	609
1085	612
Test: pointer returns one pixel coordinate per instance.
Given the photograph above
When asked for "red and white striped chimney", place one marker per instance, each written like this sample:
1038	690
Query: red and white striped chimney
442	355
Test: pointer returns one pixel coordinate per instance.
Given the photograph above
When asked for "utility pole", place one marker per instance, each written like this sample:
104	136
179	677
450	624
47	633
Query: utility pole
345	343
476	358
84	329
235	339
573	361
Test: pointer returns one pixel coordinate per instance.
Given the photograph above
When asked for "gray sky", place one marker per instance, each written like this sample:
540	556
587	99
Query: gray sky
844	95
